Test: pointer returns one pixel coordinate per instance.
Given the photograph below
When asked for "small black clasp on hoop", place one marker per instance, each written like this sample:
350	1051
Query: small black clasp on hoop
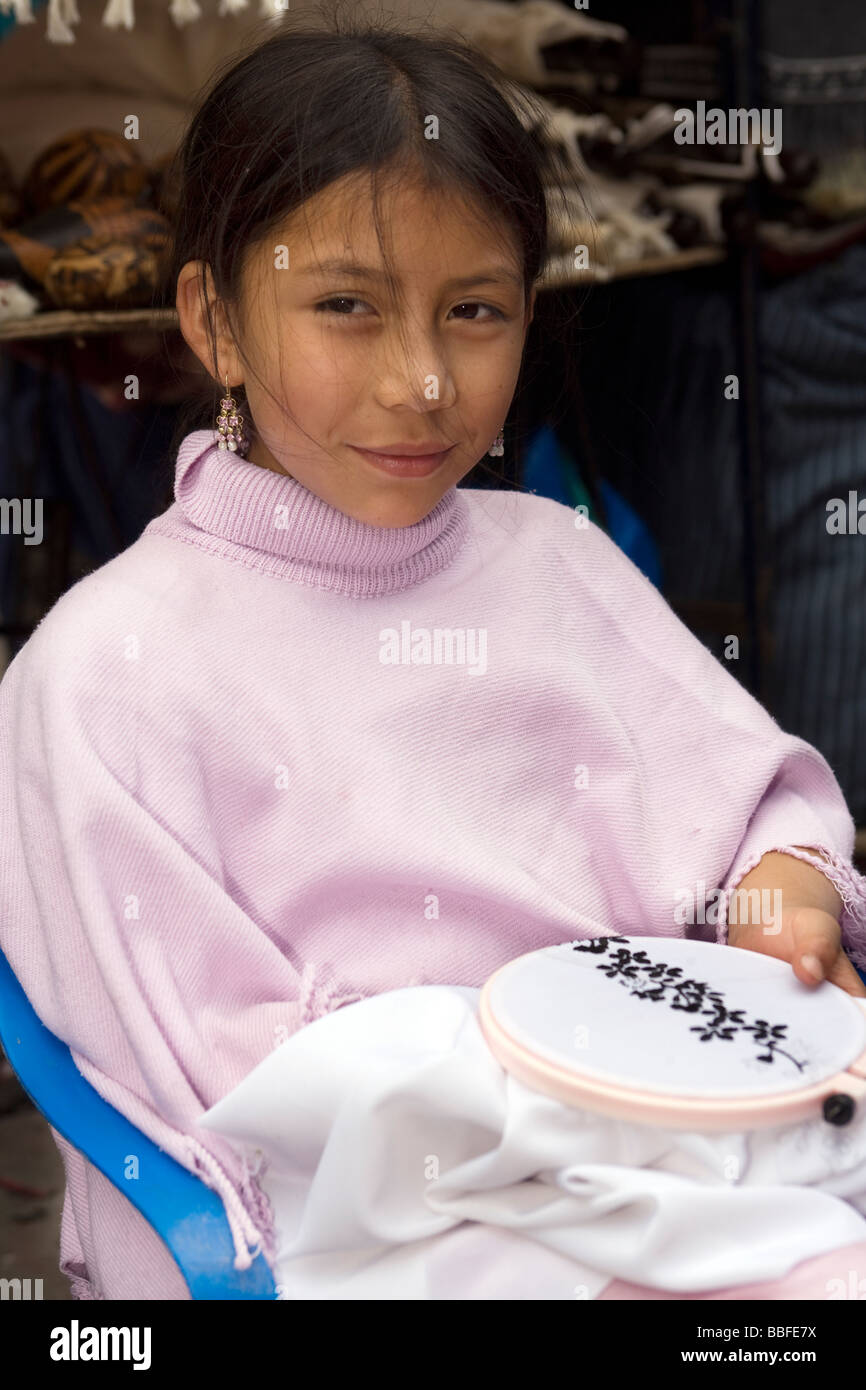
839	1108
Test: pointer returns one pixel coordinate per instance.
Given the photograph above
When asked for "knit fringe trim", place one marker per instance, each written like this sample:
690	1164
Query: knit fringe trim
318	997
249	1241
80	1289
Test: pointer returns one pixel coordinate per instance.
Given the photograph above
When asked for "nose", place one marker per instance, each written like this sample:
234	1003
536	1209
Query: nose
413	371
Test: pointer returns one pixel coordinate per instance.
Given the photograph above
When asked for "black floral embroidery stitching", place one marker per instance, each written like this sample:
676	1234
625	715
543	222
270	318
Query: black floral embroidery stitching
688	996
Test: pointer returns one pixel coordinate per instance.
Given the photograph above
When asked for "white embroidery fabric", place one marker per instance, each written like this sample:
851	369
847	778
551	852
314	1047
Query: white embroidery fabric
388	1124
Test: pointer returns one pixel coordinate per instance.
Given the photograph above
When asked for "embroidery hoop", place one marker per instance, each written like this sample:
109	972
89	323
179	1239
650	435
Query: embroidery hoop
678	1033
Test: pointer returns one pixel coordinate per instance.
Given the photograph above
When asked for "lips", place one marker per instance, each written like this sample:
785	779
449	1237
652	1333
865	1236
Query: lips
403	451
405	460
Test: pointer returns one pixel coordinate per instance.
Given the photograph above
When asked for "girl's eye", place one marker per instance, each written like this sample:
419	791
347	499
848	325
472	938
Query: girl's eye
326	307
474	304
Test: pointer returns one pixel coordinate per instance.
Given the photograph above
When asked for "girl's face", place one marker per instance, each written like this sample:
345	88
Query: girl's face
428	364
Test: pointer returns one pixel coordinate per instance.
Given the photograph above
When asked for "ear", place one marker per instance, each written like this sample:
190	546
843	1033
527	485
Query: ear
195	280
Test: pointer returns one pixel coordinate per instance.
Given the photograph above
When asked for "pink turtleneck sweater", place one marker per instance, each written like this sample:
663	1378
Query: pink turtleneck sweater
241	784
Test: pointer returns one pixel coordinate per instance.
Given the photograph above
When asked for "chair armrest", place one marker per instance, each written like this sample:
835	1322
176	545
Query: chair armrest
187	1216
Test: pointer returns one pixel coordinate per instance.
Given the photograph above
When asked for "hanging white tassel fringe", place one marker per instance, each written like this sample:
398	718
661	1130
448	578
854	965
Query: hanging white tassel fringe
119	13
184	11
61	14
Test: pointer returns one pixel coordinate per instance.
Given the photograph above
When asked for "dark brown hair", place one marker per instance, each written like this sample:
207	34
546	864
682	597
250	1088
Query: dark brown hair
308	106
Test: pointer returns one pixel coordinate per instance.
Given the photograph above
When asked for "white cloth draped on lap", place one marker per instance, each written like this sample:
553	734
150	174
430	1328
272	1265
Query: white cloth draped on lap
388	1124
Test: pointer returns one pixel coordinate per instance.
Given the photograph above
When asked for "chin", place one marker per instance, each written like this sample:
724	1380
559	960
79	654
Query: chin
402	506
394	514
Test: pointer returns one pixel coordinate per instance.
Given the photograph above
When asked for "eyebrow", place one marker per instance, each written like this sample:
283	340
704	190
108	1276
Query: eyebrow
495	275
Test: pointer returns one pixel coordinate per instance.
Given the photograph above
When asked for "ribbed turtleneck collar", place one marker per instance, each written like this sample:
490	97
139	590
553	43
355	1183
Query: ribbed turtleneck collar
288	530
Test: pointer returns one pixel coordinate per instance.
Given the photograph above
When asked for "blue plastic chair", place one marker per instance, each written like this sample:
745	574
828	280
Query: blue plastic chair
187	1216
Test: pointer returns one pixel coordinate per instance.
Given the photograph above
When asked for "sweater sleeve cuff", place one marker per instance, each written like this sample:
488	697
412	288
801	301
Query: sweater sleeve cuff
849	884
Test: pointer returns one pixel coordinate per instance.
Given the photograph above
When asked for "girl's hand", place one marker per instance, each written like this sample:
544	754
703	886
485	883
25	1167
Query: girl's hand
806	931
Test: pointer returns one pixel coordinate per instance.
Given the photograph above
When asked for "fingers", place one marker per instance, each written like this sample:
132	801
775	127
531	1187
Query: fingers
845	976
840	973
817	943
809	932
818	952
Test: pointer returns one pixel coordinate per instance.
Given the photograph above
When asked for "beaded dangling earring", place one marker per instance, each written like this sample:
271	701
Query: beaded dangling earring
230	423
497	448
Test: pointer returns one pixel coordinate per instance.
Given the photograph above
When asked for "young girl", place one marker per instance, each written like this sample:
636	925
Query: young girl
332	725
